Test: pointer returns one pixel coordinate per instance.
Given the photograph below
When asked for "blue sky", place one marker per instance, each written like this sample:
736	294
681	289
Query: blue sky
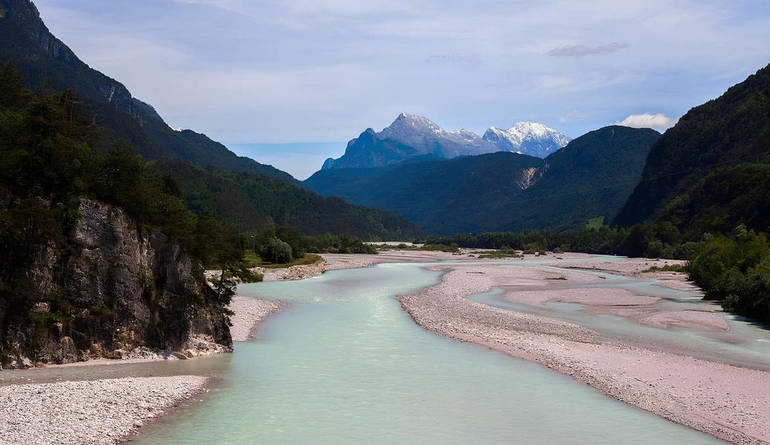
250	71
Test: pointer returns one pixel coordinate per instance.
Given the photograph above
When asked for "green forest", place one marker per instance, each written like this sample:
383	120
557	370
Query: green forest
590	178
48	164
254	202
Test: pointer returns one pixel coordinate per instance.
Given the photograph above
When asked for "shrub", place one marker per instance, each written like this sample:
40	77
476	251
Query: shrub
276	251
736	271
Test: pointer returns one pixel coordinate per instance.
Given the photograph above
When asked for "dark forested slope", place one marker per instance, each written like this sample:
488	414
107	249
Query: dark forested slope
248	193
709	163
590	178
231	197
44	60
99	255
417	190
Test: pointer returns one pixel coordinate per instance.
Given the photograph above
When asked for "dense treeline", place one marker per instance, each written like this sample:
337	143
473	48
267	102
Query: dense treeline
283	245
660	240
252	202
721	200
48	163
735	269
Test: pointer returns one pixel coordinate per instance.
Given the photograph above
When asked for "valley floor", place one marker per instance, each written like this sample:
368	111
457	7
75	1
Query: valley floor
671	379
729	402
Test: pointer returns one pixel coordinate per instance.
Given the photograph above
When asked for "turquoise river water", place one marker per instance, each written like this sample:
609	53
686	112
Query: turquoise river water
344	364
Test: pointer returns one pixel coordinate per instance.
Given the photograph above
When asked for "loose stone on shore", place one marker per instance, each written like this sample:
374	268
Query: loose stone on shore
88	412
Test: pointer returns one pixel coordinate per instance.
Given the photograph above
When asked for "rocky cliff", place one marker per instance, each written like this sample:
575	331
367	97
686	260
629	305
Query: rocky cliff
121	289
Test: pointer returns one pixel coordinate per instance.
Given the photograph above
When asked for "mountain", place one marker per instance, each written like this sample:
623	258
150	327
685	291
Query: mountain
231	197
409	136
420	190
98	257
709	172
529	138
45	60
590	178
47	63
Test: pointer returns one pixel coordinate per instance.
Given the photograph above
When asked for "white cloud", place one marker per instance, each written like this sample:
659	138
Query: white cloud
658	121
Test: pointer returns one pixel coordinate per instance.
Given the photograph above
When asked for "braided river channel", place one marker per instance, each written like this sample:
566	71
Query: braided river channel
343	363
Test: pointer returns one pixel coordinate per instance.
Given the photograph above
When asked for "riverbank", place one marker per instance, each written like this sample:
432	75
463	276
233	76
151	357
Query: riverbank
728	402
248	312
89	412
106	411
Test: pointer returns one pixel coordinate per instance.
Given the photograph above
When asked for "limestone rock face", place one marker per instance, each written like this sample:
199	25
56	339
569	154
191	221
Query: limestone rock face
127	288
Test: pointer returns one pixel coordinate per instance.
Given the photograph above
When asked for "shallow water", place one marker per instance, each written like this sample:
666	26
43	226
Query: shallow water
344	364
745	344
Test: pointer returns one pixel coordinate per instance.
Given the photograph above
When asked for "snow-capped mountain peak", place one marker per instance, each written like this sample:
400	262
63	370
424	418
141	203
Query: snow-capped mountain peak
413	136
530	138
428	138
406	124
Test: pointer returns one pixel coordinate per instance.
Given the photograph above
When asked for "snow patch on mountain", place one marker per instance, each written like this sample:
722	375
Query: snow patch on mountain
428	138
411	136
529	138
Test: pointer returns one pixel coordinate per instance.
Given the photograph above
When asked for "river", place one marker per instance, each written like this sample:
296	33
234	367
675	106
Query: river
345	364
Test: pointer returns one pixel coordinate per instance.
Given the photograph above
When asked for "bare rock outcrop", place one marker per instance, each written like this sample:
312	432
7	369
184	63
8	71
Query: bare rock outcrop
124	287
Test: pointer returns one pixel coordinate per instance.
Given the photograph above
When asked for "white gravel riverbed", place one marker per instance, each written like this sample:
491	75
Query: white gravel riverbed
88	412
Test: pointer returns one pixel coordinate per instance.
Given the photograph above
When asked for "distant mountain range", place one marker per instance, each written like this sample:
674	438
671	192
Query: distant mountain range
706	173
529	138
224	182
589	179
415	137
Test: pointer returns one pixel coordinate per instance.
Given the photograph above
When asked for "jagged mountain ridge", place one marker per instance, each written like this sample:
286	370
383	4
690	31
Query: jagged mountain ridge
427	137
589	178
407	137
42	58
411	136
529	138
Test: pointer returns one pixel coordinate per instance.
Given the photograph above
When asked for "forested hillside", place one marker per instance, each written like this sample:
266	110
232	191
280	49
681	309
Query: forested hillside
588	180
251	202
98	253
707	183
703	172
419	190
45	61
248	199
